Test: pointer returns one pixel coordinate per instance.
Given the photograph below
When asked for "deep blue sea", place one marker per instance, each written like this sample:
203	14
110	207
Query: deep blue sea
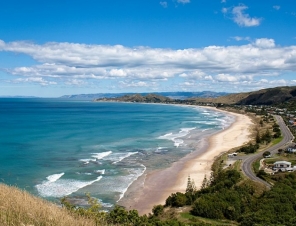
54	148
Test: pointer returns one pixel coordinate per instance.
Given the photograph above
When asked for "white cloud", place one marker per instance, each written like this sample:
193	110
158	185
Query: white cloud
280	82
232	78
196	74
80	64
276	7
37	80
118	73
243	19
164	4
224	10
183	1
226	78
75	82
135	84
238	38
265	43
223	1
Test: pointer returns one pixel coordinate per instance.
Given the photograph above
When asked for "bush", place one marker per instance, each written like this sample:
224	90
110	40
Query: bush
157	210
261	174
176	200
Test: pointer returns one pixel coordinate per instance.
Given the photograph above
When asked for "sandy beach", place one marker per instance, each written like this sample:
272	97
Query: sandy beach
154	187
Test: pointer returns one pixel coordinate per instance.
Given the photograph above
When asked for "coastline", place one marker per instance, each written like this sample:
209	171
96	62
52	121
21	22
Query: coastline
152	188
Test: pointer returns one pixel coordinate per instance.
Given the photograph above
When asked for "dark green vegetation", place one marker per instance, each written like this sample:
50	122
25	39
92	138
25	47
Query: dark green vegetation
228	196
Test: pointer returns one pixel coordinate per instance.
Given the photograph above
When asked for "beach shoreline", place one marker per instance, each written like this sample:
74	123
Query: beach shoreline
152	188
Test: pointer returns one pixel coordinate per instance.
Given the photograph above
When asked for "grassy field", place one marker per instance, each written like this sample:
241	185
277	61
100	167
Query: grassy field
22	209
187	217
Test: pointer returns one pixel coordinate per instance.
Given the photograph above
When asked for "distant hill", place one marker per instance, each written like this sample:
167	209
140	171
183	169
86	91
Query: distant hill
172	95
270	96
149	98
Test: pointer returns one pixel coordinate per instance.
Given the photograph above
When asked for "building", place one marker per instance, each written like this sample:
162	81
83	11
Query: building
282	166
291	149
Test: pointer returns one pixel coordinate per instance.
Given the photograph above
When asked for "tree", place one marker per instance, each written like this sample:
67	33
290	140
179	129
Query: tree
204	183
176	200
266	136
191	188
258	139
157	210
280	151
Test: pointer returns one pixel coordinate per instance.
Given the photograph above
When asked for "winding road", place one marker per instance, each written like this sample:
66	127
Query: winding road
247	162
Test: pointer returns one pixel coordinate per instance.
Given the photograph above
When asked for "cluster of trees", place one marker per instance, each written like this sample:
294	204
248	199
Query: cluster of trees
267	136
250	148
277	131
264	138
228	197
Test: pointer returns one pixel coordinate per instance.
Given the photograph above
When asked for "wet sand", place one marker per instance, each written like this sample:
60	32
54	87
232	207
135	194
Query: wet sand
152	188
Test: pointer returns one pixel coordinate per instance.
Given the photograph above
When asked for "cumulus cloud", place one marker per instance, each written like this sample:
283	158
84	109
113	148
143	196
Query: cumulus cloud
75	82
164	4
241	18
276	7
37	80
265	43
231	78
136	84
80	64
183	1
224	10
239	38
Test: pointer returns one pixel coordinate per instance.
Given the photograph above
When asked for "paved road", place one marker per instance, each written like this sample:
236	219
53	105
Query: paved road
247	162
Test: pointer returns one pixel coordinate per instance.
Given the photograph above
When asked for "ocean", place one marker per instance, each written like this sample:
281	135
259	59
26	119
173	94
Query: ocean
55	148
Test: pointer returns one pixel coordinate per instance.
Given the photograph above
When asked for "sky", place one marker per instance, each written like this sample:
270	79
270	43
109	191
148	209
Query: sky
54	48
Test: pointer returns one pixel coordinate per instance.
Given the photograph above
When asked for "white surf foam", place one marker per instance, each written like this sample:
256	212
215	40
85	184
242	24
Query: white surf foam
62	187
54	177
100	171
86	161
135	174
205	113
95	157
176	137
101	155
161	149
118	157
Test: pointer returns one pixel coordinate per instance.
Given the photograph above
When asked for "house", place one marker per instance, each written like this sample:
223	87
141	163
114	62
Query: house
291	150
282	165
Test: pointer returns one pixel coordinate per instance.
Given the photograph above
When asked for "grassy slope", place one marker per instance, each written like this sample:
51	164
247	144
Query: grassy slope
265	96
20	208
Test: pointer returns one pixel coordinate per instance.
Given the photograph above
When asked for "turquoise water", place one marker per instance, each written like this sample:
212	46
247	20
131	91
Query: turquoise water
55	148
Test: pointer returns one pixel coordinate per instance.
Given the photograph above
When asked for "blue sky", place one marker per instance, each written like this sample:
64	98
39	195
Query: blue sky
52	48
